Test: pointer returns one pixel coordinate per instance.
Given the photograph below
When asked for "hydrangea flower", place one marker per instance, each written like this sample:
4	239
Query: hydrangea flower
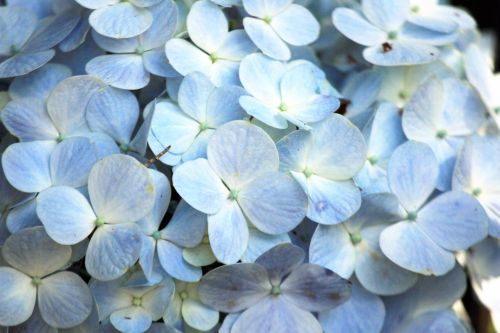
325	175
188	126
120	19
216	52
185	229
476	172
26	42
121	192
63	298
425	240
135	58
274	294
353	247
274	24
282	94
131	309
390	38
440	114
239	183
186	308
383	134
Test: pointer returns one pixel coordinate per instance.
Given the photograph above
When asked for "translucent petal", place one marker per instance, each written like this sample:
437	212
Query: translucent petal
266	39
236	46
233	288
401	53
207	25
124	71
331	247
387	15
17	297
67	103
407	245
120	189
114	112
275	314
39	83
32	252
273	203
296	25
187	58
66	214
193	95
71	161
198	184
228	232
356	28
362	312
27	119
280	261
199	316
24	63
64	300
121	20
412	174
173	263
240	152
131	319
26	165
454	220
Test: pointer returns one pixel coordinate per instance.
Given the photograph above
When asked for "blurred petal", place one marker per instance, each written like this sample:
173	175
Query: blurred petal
296	25
386	14
17	297
356	28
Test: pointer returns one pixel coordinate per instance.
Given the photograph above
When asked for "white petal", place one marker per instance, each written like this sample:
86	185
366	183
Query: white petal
388	15
264	113
296	25
64	300
207	25
263	8
187	58
228	233
199	316
236	46
357	28
124	71
401	53
259	242
24	63
193	95
173	263
266	39
17	297
121	20
132	319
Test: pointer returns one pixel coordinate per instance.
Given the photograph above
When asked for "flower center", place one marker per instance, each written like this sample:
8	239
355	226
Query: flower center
283	107
392	35
123	147
307	172
183	295
372	160
60	138
411	216
205	239
213	58
476	192
268	19
441	134
276	290
36	281
497	110
203	126
156	235
137	301
233	195
139	50
356	238
99	222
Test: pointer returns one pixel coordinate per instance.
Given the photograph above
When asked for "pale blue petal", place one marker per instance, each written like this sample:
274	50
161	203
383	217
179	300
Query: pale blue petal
454	220
133	319
362	90
17	24
259	242
362	312
407	245
261	77
296	25
228	233
139	143
199	316
165	17
223	106
112	250
113	45
263	8
331	247
39	83
124	71
412	174
22	216
145	3
193	95
173	263
17	297
121	20
280	261
445	321
147	256
202	255
236	46
34	324
298	85
114	112
78	36
66	214
231	157
120	189
266	39
110	297
198	184
24	63
423	34
207	25
27	119
156	299
273	203
163	192
187	226
275	314
187	58
376	209
262	112
357	28
104	144
26	165
233	288
71	161
155	62
388	15
64	300
402	53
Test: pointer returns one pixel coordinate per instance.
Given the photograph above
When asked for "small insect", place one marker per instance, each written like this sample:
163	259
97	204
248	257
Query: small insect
157	157
386	47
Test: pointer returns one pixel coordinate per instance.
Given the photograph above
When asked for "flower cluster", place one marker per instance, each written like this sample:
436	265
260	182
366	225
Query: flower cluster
246	166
